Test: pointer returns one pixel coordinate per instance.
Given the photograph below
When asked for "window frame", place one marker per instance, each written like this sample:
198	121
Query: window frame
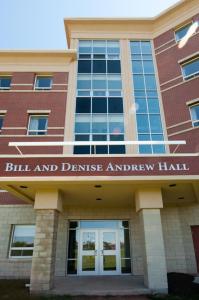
19	248
188	61
43	88
37	115
6	76
181	27
3	116
192	121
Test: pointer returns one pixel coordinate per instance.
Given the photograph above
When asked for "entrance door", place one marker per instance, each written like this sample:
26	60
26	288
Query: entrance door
99	252
109	252
195	235
88	256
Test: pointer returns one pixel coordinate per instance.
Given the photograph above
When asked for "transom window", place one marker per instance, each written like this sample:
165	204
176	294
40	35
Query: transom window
5	82
194	110
22	241
182	31
191	68
149	125
43	82
1	122
37	125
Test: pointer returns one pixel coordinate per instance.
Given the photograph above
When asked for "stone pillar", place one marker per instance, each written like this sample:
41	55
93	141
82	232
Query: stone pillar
47	205
148	204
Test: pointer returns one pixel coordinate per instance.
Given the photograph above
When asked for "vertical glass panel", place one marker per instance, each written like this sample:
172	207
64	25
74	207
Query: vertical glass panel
82	137
99	105
148	67
113	47
88	263
82	124
135	47
83	105
116	124
85	46
109	241
101	149
88	241
99	124
155	123
125	266
153	105
72	244
117	149
73	224
81	150
116	137
99	46
143	123
150	82
84	66
141	106
109	262
191	68
99	137
138	82
1	122
113	66
137	66
115	105
158	148
99	66
114	82
84	82
72	266
99	82
146	47
124	243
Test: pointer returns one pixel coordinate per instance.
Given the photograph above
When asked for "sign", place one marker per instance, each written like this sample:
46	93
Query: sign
99	166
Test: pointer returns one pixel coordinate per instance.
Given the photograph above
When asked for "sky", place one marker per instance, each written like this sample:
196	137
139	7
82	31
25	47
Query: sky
38	24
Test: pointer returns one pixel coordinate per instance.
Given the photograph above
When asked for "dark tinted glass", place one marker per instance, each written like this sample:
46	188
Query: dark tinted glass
81	149
82	137
115	105
99	137
126	265
1	122
84	66
73	224
101	149
83	105
72	266
118	149
99	105
72	245
99	66
5	82
116	137
113	66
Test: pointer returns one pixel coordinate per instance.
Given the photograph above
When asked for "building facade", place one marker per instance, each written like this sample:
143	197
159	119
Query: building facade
99	152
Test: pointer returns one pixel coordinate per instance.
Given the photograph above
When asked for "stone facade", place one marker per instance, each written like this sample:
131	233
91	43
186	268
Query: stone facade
176	227
43	261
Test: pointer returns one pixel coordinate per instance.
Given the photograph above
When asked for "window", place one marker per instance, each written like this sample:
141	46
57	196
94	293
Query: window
1	122
22	242
5	82
37	125
190	68
43	82
181	32
194	110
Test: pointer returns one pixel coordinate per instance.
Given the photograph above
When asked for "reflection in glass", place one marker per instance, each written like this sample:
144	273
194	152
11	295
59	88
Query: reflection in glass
109	262
88	241
109	241
126	265
72	244
124	243
88	263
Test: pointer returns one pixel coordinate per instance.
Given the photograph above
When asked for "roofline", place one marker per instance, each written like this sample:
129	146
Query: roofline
22	51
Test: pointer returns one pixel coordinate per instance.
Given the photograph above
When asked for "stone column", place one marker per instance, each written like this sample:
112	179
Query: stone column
148	204
48	206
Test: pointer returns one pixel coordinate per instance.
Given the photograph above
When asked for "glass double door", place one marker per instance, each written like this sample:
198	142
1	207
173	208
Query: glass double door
99	252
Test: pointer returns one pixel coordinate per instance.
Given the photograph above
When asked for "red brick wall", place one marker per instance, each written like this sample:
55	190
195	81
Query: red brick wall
17	103
176	91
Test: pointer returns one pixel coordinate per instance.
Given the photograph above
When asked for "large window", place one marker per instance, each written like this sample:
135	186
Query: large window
149	125
194	110
22	241
1	122
43	82
99	102
5	82
37	125
182	31
191	68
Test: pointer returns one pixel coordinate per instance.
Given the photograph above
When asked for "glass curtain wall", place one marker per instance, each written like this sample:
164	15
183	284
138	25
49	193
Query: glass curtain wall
149	124
99	102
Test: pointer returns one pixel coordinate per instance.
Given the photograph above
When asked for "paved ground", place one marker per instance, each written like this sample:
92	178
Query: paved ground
110	298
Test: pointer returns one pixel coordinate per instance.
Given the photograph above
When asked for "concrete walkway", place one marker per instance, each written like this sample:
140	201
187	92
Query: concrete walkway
100	286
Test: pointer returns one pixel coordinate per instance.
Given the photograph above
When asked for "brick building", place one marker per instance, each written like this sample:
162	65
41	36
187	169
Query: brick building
99	153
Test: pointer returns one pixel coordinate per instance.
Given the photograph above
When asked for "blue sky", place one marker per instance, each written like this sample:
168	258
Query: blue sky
38	24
